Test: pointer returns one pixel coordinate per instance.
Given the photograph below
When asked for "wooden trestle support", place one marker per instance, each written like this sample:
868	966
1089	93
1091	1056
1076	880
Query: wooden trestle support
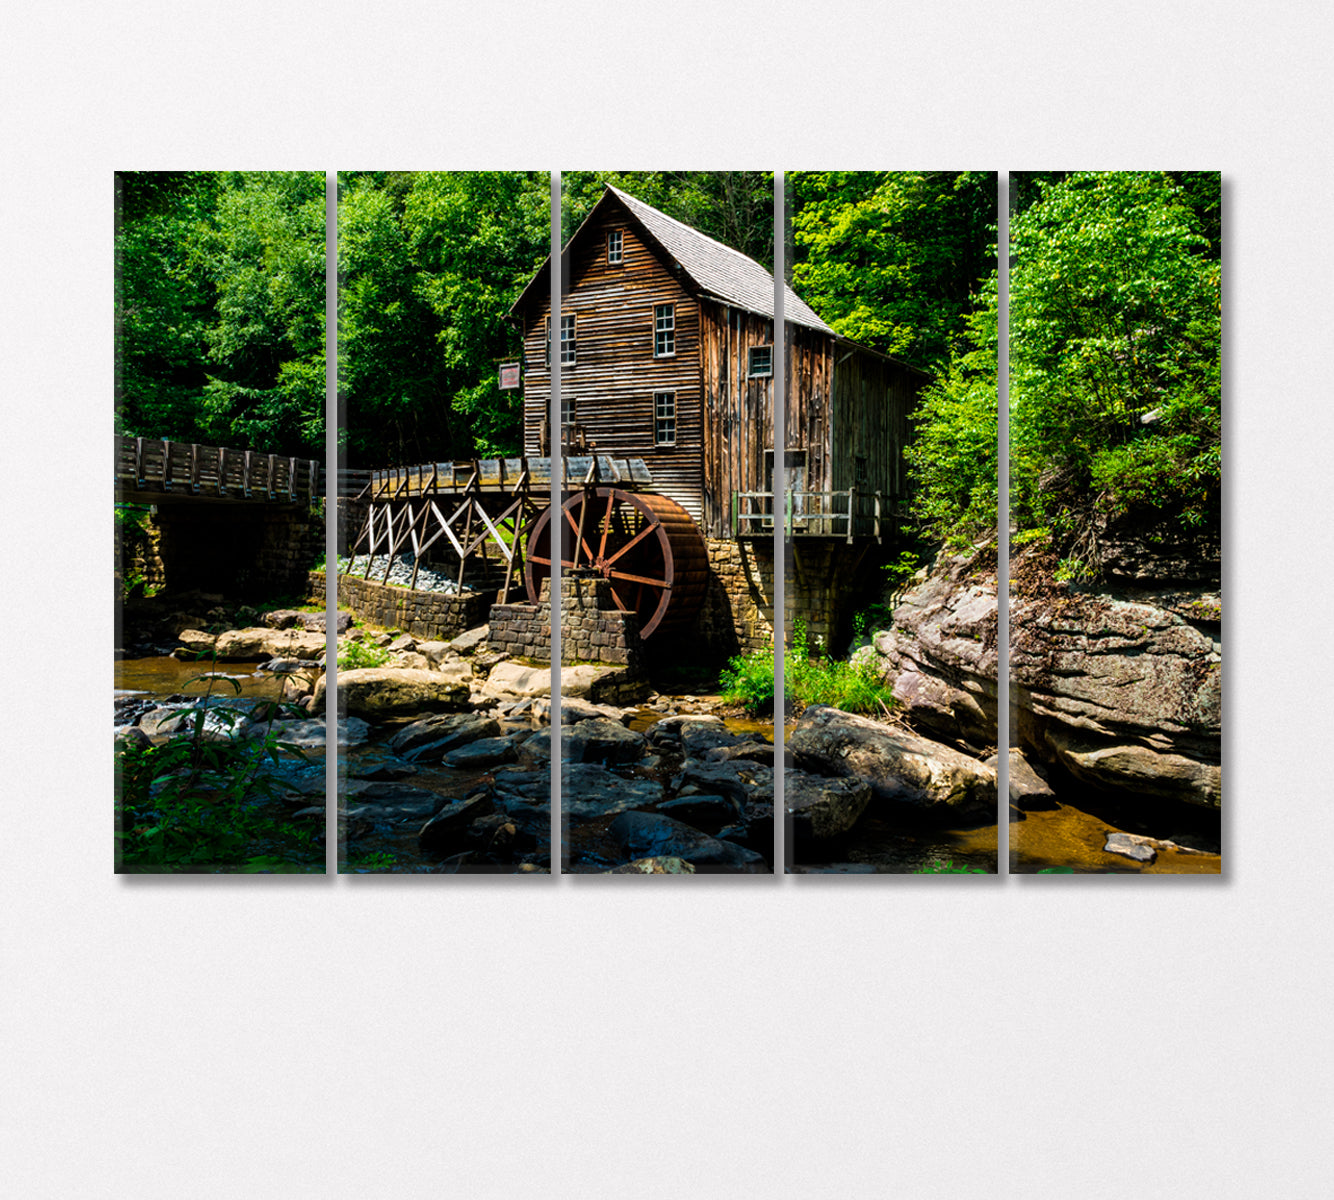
646	546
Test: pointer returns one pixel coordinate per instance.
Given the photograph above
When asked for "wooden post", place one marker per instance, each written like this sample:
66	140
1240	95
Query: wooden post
416	546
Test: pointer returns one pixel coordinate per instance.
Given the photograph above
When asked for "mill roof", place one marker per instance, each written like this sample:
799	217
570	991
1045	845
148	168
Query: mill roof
716	270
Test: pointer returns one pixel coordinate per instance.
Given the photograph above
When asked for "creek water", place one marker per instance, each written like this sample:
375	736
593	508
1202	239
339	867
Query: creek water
1070	835
170	676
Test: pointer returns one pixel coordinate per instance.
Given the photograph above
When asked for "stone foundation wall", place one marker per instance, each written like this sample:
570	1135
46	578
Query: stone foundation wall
738	612
592	629
290	540
435	616
826	583
139	554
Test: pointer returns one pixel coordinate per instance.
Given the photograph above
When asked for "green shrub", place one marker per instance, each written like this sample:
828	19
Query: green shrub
946	867
353	656
748	680
198	800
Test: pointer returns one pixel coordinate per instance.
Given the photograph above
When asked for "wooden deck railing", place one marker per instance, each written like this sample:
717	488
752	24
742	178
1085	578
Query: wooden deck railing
503	475
152	465
849	514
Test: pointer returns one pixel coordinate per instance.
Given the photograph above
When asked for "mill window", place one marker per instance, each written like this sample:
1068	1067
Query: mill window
613	247
761	364
567	342
664	330
664	418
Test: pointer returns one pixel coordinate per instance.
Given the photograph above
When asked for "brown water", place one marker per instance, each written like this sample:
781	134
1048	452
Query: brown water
168	676
1066	837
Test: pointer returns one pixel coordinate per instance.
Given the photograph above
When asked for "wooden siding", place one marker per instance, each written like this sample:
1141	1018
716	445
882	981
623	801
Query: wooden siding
872	398
809	396
845	403
738	411
615	374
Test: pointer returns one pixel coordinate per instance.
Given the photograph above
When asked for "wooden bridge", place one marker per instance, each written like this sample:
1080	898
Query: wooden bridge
149	470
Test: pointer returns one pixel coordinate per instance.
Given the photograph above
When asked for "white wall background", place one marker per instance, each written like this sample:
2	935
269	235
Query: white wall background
555	1037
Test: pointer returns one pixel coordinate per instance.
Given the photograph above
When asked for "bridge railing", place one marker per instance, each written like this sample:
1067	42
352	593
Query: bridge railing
186	468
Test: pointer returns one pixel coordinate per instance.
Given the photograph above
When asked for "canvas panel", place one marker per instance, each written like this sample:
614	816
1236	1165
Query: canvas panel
1115	501
445	767
888	510
220	301
666	288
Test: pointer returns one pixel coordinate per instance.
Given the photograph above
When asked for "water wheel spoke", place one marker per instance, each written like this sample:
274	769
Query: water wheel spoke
615	595
632	543
658	583
574	526
606	523
537	558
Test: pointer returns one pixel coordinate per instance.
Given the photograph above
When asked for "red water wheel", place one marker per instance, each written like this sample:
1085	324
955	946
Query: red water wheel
647	548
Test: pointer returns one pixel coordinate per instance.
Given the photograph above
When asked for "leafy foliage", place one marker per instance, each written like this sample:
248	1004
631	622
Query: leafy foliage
133	543
220	308
938	866
429	266
1114	361
354	656
809	676
201	798
954	454
894	259
1114	368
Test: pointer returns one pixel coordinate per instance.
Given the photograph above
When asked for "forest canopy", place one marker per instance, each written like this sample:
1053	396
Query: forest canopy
894	260
1114	345
429	264
220	308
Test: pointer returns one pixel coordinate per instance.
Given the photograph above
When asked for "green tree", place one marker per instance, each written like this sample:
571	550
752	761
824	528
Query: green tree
220	308
894	259
429	265
478	237
1114	367
264	253
392	377
164	302
954	454
1114	355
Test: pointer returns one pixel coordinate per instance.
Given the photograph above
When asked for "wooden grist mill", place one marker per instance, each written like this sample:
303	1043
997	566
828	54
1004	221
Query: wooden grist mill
496	513
665	341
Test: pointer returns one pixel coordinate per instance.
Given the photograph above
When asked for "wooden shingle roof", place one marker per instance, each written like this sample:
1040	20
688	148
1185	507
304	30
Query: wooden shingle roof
714	269
718	270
